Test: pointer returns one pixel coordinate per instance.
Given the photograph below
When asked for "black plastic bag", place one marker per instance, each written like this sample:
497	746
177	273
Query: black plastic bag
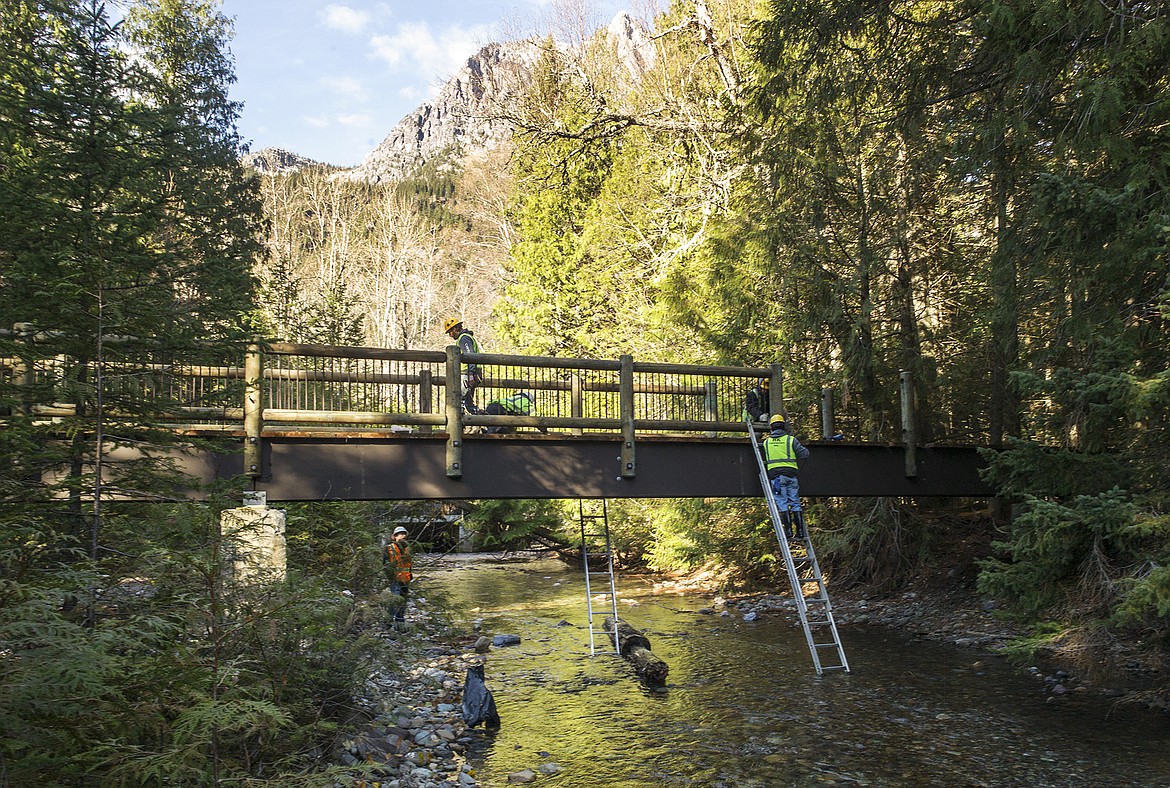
478	703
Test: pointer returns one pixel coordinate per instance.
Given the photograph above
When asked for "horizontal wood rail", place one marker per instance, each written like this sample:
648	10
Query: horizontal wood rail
283	386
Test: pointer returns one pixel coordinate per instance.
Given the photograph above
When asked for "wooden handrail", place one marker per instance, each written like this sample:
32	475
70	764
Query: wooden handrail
629	396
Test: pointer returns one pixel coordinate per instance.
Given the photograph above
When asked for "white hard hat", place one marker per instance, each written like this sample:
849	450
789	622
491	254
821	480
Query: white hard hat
400	530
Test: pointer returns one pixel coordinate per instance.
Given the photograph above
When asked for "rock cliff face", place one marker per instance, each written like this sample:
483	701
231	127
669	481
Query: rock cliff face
466	114
631	41
469	113
278	160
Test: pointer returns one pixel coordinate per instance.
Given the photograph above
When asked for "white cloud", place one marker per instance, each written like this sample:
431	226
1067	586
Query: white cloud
346	87
345	19
415	47
354	120
316	121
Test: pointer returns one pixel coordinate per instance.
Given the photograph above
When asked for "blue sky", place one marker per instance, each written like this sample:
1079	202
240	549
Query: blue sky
328	80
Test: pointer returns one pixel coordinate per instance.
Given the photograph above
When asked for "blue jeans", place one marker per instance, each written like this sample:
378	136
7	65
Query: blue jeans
787	491
398	612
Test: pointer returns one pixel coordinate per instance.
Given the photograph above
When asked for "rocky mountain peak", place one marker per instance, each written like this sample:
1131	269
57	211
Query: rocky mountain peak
278	160
465	113
631	40
468	113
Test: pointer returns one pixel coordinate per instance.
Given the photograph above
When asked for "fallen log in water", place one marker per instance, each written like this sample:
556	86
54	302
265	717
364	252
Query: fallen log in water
635	647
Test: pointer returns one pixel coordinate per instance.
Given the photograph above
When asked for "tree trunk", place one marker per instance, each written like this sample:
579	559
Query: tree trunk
636	648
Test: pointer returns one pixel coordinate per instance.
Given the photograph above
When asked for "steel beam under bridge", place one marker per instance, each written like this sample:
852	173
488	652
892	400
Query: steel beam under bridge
413	467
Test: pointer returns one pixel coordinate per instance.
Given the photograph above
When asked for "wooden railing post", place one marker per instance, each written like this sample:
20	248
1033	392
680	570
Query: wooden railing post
776	391
426	393
909	419
828	417
253	409
22	377
454	413
576	402
626	402
711	403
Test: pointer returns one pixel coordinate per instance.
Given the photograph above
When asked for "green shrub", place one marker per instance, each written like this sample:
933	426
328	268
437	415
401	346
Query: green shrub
1063	558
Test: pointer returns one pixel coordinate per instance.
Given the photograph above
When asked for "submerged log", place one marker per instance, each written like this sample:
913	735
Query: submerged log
635	647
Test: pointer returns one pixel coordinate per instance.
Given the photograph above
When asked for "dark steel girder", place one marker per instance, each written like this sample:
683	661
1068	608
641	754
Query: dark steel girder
413	467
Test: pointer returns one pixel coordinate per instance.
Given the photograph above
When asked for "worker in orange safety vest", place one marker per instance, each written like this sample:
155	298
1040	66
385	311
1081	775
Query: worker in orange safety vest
396	561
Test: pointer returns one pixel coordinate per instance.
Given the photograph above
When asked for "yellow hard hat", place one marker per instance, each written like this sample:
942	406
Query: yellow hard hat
450	323
777	419
765	383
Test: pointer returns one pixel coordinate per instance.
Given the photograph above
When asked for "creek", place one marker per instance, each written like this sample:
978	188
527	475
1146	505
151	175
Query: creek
743	707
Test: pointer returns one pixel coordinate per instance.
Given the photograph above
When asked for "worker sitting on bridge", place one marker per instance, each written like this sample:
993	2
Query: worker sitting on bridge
472	373
756	404
781	451
519	403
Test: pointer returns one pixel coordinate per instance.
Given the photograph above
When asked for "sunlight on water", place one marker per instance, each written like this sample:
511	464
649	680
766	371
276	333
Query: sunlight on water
743	706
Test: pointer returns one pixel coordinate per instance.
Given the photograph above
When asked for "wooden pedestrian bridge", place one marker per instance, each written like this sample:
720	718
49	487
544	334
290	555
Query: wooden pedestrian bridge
316	422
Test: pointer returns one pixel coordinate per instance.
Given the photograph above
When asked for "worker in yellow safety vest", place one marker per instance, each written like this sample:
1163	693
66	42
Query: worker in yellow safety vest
472	374
781	452
517	404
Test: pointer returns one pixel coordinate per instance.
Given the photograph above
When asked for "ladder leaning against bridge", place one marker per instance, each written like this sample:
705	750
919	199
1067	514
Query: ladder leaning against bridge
593	517
815	610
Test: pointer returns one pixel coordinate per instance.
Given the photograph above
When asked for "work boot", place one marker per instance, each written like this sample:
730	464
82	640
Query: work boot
798	518
786	522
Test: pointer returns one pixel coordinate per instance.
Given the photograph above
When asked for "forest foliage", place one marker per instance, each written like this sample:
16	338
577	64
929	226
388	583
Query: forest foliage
969	191
131	237
973	191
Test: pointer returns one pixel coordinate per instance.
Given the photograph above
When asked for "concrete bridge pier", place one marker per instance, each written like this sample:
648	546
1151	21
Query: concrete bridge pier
254	542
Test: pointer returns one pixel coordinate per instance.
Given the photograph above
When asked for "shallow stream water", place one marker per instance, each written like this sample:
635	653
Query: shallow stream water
743	706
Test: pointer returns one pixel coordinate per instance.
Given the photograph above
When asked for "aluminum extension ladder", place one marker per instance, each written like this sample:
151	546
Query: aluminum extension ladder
593	516
815	610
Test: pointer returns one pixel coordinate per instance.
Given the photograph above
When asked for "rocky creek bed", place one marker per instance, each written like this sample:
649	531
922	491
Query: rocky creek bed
417	736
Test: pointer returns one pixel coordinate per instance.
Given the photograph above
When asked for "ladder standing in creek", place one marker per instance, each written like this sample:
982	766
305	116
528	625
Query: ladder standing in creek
815	610
594	519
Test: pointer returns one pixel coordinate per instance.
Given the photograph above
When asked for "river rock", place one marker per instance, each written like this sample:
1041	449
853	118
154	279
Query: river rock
523	776
506	640
483	644
418	758
550	768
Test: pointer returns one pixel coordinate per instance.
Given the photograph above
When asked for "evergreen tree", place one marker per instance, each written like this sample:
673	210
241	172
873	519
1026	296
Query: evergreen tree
211	234
551	304
126	214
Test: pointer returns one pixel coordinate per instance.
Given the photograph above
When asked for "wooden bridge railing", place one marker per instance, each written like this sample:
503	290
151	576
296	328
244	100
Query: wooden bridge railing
279	387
